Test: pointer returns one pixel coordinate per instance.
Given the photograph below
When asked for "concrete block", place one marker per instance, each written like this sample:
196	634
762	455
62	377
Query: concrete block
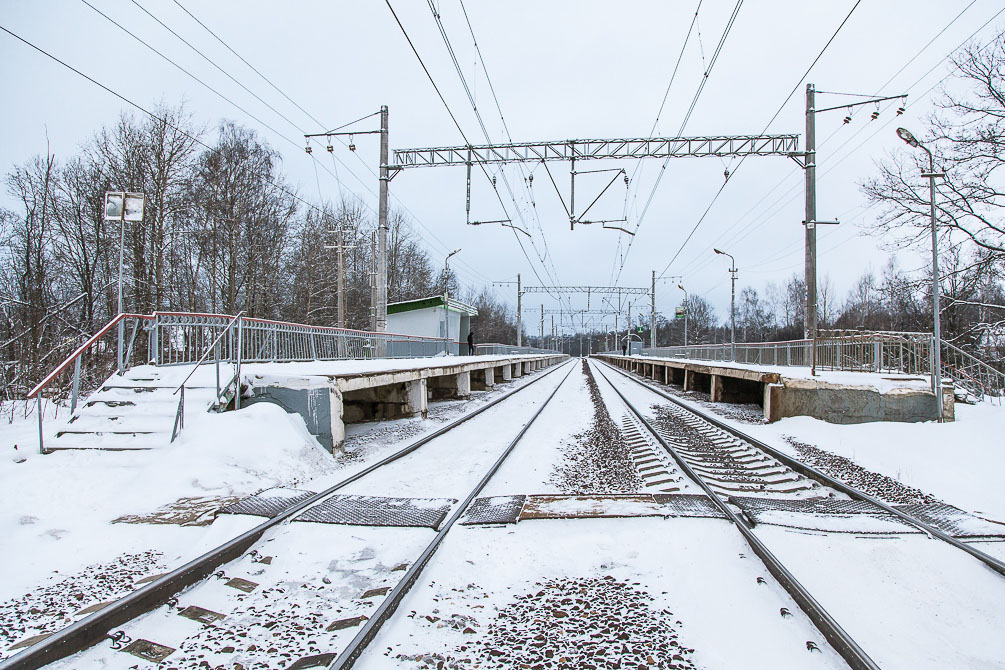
716	388
505	373
772	402
517	370
416	398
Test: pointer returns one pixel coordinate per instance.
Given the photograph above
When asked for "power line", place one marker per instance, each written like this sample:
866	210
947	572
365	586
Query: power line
687	117
767	125
287	119
451	113
777	204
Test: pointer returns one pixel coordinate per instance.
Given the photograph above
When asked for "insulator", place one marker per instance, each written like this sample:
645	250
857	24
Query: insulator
900	110
330	148
626	180
308	149
493	180
531	179
847	119
875	115
725	174
352	147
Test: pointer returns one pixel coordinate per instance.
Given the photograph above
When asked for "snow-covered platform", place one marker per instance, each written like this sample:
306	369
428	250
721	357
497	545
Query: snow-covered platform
330	394
832	395
137	410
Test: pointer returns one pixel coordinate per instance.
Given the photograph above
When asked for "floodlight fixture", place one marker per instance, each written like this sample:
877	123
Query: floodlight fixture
905	134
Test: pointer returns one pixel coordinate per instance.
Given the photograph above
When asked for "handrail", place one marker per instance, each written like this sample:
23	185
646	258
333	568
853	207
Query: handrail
81	349
302	325
208	349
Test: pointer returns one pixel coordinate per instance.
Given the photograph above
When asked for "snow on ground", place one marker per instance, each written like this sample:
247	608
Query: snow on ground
490	596
529	468
961	462
58	511
909	601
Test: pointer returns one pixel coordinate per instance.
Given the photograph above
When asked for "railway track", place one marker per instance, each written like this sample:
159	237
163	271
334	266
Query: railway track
268	599
771	498
162	591
739	465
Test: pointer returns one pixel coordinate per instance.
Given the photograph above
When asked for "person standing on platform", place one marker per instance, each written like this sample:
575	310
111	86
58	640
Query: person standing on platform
471	343
624	348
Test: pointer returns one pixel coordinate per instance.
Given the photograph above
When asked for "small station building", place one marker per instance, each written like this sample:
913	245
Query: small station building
436	316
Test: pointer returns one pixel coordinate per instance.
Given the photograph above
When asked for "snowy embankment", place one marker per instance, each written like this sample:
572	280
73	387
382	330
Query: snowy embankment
960	463
58	512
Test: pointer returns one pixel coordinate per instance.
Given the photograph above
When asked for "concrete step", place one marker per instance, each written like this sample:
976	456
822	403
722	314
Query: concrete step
110	441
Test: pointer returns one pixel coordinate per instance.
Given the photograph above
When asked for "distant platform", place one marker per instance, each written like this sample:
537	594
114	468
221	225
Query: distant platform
782	391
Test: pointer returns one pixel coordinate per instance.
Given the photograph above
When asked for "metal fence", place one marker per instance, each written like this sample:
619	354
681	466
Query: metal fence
909	353
900	352
180	338
495	349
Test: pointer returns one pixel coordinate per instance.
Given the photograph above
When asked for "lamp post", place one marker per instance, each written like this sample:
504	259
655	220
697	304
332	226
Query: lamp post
905	134
732	306
124	207
681	287
446	298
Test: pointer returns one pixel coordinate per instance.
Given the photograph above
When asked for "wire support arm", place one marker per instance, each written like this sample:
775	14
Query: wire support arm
568	150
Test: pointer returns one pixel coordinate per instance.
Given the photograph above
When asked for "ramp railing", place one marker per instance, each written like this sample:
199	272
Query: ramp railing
890	352
972	374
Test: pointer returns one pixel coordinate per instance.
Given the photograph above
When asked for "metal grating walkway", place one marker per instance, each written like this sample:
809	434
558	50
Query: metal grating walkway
268	503
353	510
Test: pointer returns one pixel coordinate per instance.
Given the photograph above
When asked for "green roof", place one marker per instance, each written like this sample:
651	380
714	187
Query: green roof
427	303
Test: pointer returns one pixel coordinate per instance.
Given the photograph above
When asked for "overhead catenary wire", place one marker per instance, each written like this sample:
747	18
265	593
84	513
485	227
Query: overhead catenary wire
687	116
338	181
778	203
450	113
766	126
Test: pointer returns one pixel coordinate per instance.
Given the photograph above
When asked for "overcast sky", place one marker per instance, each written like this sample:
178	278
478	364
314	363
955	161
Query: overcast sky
561	70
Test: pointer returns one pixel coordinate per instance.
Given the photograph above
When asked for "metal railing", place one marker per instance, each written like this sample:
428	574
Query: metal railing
492	348
99	354
972	374
180	338
900	352
214	347
909	353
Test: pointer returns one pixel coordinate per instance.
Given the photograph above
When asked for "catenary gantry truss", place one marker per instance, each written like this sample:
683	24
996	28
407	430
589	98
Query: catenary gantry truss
595	290
572	150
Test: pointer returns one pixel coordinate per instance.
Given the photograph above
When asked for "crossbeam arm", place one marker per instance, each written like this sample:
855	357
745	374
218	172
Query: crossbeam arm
564	150
596	290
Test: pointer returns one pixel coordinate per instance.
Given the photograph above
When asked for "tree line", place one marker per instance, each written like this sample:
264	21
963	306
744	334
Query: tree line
223	232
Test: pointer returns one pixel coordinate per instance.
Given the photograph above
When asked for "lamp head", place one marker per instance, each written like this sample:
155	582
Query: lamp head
718	252
905	134
680	286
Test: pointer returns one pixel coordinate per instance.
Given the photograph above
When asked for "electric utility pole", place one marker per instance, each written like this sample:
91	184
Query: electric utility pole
385	177
519	311
808	161
652	313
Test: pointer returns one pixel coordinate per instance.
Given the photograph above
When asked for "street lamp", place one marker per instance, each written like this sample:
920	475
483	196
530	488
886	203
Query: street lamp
905	134
732	306
681	287
446	271
123	207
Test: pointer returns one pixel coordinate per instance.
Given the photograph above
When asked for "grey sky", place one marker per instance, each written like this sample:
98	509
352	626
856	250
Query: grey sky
561	70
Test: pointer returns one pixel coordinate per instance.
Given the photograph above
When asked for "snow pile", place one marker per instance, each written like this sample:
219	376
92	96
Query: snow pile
57	511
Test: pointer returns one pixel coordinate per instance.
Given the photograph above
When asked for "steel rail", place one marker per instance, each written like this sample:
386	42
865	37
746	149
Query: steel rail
358	644
838	637
811	472
94	628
